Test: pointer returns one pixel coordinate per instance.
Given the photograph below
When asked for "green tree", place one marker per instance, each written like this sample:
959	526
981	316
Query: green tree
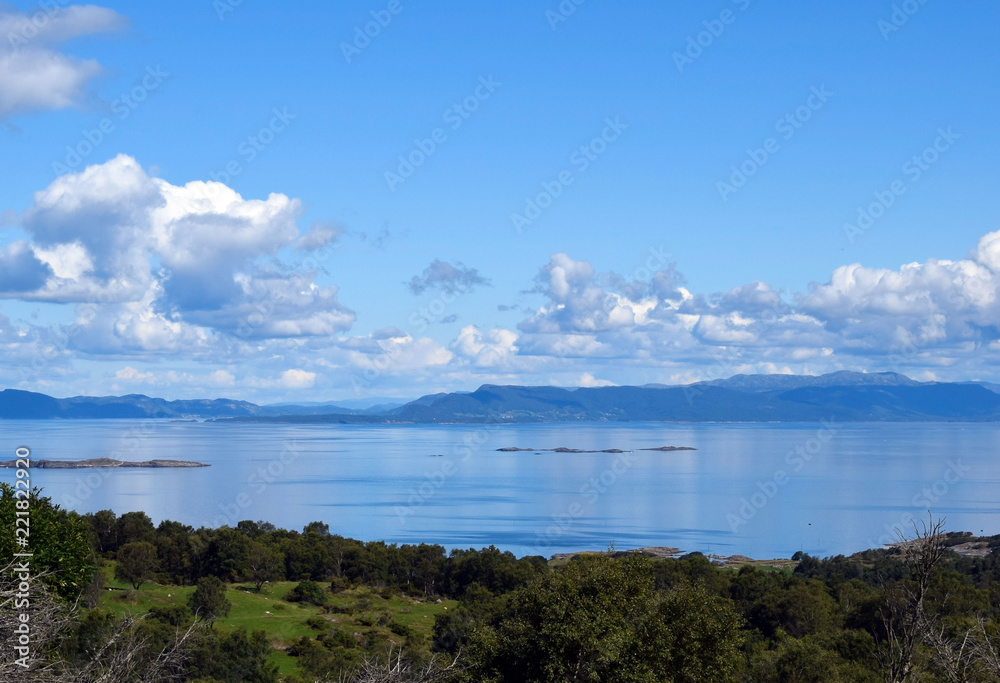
136	563
104	524
132	527
209	599
699	637
58	540
307	591
174	551
234	657
600	619
226	555
264	564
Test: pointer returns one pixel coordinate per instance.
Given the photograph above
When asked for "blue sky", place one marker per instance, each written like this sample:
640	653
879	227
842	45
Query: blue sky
318	271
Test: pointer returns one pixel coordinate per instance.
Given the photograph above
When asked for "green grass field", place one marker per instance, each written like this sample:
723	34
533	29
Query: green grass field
285	622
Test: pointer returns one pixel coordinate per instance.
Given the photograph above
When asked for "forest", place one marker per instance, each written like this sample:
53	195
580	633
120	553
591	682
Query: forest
117	598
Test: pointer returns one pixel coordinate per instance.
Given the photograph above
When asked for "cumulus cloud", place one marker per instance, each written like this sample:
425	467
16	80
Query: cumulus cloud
195	273
276	303
937	313
488	349
130	374
33	75
588	380
448	278
937	304
172	265
588	314
20	269
297	379
393	352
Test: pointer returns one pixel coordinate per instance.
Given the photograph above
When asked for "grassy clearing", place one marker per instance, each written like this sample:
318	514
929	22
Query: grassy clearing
356	611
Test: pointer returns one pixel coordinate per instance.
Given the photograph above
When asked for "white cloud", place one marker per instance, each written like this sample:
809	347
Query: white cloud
392	352
33	76
935	304
194	273
922	313
222	378
130	374
588	380
101	233
297	379
488	349
320	236
21	269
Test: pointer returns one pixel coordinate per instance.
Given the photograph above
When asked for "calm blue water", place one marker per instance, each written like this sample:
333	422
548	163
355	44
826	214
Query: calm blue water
745	490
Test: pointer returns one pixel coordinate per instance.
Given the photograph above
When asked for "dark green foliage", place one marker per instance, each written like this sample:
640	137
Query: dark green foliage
318	623
87	636
601	619
59	540
136	563
610	618
209	601
264	564
133	527
324	659
452	629
495	570
175	615
174	551
234	657
688	569
103	524
806	661
307	591
226	555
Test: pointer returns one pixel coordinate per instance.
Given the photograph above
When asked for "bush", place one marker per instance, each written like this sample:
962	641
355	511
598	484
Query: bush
401	630
175	615
307	591
317	623
233	657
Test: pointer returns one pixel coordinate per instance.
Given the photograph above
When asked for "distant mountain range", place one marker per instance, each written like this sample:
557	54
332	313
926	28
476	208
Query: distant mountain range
844	396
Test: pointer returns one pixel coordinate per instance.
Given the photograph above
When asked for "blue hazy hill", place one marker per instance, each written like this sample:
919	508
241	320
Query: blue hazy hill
845	396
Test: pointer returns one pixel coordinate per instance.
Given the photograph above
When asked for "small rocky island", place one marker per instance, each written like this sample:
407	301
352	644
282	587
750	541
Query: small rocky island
101	462
515	449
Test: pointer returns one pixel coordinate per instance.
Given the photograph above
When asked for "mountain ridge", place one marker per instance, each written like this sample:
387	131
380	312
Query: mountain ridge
845	396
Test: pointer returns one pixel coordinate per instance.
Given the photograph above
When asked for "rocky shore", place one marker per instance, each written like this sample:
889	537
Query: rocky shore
562	449
102	462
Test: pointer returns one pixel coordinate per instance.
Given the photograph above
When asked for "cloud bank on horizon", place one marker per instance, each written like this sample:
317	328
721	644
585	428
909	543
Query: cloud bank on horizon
158	273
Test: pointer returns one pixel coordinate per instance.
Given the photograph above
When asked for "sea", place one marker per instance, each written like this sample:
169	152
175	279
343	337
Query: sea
760	490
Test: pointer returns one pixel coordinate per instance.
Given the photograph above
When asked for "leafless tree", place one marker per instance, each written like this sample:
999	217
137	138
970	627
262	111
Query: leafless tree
125	657
986	646
47	619
904	618
956	656
396	667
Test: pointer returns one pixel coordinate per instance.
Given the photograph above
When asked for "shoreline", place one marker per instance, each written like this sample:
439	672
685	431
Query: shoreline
95	463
